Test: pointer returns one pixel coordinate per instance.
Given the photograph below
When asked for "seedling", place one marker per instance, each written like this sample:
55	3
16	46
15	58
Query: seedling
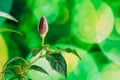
19	67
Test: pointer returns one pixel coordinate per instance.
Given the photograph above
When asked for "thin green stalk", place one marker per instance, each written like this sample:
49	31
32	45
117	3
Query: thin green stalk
43	40
36	60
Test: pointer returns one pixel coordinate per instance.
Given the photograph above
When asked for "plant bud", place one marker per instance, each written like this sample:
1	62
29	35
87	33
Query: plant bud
43	26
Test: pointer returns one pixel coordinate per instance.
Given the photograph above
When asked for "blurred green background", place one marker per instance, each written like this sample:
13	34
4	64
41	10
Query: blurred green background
92	27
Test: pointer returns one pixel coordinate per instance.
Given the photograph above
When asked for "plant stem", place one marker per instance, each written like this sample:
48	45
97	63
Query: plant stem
36	60
43	40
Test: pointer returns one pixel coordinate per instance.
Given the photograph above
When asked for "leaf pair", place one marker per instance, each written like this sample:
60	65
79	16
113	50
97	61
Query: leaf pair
35	51
15	61
56	61
17	66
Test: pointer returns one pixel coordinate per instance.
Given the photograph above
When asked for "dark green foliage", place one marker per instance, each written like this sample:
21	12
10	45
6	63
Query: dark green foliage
58	63
75	52
38	68
69	50
16	61
35	51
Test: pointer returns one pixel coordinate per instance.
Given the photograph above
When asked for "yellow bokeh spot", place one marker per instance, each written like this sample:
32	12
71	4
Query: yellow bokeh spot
71	60
105	22
3	52
111	72
91	25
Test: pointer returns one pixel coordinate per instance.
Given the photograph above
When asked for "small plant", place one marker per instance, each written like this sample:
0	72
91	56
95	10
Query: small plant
20	67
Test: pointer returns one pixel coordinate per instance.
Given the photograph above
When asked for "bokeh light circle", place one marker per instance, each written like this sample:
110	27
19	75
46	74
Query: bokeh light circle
3	52
111	45
64	16
94	28
111	72
46	8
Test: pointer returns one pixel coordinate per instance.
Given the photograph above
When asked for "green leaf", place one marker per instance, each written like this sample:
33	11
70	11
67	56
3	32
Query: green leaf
37	68
8	16
10	30
75	53
68	50
10	71
13	78
15	61
10	61
58	63
35	51
14	69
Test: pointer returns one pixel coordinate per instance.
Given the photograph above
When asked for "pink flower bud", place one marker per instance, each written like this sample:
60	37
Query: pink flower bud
43	26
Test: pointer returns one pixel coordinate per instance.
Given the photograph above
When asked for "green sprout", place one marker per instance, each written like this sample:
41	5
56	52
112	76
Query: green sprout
19	67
